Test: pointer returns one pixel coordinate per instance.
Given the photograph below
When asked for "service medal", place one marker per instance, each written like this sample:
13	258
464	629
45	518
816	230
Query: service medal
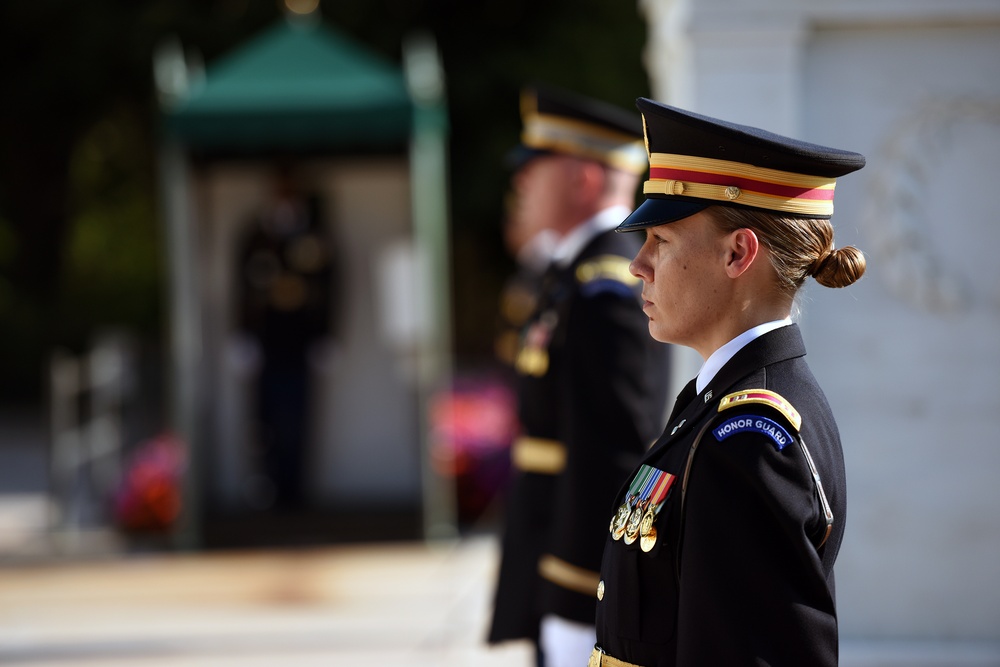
533	356
631	500
647	495
619	520
632	527
647	531
647	541
646	524
618	524
650	480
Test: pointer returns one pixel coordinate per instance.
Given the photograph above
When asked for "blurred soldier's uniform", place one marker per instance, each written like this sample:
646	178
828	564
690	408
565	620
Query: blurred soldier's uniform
522	289
591	381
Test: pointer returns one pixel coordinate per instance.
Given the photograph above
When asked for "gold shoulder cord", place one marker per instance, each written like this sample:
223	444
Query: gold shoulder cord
827	512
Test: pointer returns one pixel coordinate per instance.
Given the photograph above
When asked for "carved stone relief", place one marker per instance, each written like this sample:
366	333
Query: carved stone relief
903	240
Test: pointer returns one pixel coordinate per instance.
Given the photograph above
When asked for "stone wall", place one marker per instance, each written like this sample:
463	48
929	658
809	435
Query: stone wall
909	356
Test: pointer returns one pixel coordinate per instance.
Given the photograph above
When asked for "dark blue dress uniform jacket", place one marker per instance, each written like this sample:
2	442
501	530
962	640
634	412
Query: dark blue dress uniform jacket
603	396
741	582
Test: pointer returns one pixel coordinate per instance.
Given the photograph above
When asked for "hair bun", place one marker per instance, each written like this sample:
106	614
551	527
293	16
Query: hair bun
840	267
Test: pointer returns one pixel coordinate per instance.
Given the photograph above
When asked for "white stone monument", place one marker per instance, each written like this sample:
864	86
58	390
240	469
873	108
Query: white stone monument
910	356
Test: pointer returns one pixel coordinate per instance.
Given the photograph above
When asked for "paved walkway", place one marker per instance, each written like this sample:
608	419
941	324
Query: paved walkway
395	604
405	604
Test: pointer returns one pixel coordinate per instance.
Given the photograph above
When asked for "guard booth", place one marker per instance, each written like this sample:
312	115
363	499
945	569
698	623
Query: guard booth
304	197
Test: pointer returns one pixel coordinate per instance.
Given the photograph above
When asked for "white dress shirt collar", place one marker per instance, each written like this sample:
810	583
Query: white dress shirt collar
719	358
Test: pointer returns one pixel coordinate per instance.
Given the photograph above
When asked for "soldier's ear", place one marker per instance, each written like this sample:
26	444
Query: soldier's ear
742	248
590	173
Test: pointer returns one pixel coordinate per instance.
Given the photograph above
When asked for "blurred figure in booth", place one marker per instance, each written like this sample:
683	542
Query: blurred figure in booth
286	296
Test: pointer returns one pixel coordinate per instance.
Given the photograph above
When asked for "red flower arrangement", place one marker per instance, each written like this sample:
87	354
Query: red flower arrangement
149	498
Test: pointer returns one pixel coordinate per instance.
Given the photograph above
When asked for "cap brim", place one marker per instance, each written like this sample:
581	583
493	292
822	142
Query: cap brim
653	212
521	155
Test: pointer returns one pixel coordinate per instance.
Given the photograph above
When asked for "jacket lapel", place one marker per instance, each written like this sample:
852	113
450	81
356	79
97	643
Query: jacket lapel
777	345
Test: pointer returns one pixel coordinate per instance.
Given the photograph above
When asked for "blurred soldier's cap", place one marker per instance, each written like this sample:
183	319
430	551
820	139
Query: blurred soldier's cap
558	121
696	161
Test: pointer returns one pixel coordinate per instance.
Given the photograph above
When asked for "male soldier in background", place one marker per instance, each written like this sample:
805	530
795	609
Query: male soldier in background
588	371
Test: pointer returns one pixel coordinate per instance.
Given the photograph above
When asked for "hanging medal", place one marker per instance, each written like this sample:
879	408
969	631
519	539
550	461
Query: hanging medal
619	518
622	516
657	498
533	357
647	531
642	502
636	517
618	522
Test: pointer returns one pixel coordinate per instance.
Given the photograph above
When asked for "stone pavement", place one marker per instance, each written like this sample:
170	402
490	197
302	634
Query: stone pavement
405	604
409	604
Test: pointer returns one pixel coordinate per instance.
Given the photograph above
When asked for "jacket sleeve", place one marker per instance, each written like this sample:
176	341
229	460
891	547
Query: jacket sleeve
752	587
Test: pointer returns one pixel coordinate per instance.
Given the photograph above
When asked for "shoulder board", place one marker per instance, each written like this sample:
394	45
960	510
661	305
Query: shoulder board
605	267
764	397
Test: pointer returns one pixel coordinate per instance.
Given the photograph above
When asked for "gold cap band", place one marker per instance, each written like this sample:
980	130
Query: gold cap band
739	183
585	140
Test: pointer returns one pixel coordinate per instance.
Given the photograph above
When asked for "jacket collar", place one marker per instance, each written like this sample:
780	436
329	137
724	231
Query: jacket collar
778	345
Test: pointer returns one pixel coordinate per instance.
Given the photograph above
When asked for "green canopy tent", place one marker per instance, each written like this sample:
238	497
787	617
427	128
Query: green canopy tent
299	86
298	89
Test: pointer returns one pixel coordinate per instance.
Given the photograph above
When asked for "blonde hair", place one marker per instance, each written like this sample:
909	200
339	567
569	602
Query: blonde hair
798	247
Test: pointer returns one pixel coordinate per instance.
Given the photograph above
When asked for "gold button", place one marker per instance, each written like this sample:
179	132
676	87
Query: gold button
732	192
677	188
600	590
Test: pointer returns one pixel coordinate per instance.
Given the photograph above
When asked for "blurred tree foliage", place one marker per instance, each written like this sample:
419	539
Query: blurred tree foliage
80	239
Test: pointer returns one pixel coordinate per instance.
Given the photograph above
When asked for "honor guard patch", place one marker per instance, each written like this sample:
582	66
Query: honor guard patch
764	397
753	424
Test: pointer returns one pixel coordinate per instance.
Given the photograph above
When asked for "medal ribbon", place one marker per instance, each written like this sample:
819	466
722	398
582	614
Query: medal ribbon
663	484
640	481
652	475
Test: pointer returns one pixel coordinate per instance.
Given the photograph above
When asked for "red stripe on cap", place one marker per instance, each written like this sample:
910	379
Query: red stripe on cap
744	183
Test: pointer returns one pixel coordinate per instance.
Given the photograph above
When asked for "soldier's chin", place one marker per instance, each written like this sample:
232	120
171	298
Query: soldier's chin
654	332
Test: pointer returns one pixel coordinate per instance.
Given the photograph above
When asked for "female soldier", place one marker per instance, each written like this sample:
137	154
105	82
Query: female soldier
722	542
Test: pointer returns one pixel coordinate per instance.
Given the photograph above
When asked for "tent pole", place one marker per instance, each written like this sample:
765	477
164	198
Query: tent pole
185	336
428	174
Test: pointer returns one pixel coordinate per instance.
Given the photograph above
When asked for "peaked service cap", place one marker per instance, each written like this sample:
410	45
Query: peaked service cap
696	161
558	121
